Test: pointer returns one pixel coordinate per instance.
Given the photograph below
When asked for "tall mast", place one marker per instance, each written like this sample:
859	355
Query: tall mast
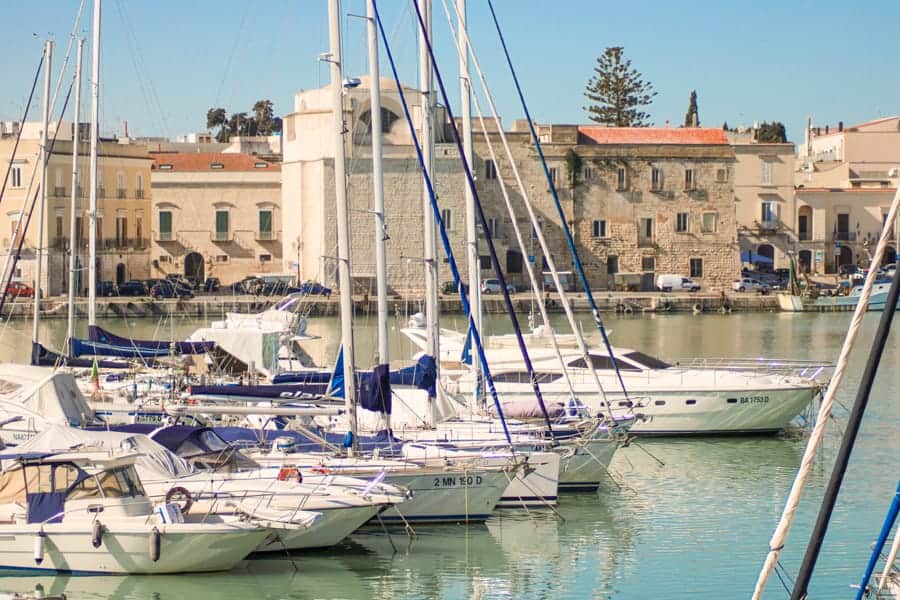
472	261
378	184
42	203
343	224
95	138
73	247
430	243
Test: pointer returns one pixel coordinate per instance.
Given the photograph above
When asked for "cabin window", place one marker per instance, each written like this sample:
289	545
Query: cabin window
523	377
648	361
690	402
599	361
624	403
659	402
732	401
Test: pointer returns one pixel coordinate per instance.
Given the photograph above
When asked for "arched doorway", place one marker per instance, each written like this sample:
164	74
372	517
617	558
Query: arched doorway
846	256
805	261
120	273
193	267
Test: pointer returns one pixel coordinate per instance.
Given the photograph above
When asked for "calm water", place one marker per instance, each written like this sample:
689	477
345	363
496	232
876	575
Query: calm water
694	527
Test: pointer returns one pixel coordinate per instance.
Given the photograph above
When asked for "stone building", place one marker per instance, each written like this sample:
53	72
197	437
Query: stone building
646	201
215	215
123	201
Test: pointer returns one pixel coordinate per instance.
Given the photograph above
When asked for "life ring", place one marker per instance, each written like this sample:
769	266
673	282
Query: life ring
697	308
180	492
627	310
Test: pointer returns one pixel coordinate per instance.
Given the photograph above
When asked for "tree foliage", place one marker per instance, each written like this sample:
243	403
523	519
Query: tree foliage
617	91
692	117
262	121
772	133
573	167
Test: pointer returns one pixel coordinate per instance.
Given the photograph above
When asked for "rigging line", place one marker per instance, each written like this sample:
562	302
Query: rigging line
147	87
776	544
536	225
595	312
445	240
15	147
479	211
18	251
234	47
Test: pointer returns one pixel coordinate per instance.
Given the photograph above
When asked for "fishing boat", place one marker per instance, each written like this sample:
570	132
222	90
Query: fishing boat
86	511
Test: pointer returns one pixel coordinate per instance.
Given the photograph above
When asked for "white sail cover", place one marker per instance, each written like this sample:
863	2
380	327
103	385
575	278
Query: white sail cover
155	461
43	394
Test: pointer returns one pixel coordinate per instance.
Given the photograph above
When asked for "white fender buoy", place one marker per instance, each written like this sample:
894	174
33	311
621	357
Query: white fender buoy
96	534
39	547
627	310
697	308
155	544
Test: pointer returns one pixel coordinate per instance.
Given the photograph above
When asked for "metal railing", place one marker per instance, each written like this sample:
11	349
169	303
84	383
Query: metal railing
120	193
267	236
220	236
138	194
844	236
165	236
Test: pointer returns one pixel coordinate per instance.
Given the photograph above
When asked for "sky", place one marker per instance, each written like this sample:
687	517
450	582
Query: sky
166	62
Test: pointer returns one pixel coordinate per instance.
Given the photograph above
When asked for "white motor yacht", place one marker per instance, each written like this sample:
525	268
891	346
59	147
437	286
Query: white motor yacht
678	400
86	511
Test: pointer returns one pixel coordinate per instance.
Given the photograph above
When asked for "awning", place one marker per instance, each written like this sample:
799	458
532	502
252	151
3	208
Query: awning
750	257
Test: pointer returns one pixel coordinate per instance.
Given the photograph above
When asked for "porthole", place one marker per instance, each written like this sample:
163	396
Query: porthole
660	403
691	402
732	401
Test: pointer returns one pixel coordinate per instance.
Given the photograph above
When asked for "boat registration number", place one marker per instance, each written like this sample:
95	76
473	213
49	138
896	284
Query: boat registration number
462	480
753	399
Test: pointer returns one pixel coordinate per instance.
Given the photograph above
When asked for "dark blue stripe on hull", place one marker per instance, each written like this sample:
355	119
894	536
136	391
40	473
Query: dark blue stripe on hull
432	519
579	486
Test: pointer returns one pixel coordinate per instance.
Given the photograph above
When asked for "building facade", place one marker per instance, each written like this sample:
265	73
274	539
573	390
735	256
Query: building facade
215	215
644	201
123	209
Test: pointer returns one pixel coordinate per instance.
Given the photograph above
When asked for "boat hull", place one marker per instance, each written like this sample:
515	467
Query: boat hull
334	526
183	549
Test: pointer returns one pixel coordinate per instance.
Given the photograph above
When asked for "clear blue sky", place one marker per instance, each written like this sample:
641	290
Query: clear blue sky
166	62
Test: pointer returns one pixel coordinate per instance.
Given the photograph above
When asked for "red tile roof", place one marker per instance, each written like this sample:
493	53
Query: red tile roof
204	161
652	135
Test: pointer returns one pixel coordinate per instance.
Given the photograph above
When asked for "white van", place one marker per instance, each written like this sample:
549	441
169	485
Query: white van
676	283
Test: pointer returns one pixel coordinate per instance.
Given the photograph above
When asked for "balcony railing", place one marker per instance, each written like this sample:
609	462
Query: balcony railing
844	236
267	236
101	192
59	191
165	236
60	243
768	225
220	236
804	236
645	242
139	194
120	193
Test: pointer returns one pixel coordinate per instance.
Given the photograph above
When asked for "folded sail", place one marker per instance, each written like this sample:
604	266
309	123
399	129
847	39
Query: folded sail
43	357
105	343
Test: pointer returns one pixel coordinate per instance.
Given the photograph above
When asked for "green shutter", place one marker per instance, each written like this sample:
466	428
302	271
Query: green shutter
265	221
222	222
165	222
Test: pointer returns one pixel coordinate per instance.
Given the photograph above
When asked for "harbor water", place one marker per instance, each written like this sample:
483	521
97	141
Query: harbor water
678	518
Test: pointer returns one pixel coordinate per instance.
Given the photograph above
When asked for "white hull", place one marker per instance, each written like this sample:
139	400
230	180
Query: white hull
585	465
334	526
183	549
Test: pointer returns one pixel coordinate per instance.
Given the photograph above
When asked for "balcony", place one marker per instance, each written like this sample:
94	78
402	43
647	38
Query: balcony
267	236
138	194
101	192
804	236
120	193
60	243
768	225
59	191
164	236
220	236
844	236
645	242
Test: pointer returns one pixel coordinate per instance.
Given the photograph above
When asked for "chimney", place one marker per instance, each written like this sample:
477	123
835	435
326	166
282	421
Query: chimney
126	128
826	130
840	125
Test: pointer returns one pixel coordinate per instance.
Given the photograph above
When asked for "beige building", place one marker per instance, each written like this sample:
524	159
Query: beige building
215	215
764	200
123	200
845	180
673	212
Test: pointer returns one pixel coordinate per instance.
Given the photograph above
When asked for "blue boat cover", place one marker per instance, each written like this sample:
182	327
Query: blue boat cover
98	334
89	348
423	375
46	507
42	357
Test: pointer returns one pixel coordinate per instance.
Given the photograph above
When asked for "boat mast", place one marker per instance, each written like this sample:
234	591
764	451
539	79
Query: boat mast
42	202
341	213
378	184
432	325
73	247
472	260
95	138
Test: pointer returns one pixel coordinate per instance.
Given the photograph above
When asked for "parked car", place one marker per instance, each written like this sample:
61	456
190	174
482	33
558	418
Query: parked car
248	285
17	289
211	284
492	286
106	288
132	288
670	283
170	289
449	288
748	284
314	288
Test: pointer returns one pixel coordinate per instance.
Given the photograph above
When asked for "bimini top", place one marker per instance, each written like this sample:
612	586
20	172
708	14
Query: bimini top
42	392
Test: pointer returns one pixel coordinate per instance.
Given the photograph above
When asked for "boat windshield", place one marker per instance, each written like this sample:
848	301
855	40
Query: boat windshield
120	482
648	361
525	377
602	362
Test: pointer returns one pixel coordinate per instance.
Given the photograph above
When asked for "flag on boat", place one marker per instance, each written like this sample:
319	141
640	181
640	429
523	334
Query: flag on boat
95	375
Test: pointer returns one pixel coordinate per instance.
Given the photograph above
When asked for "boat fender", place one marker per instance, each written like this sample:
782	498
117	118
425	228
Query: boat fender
155	544
39	547
290	474
697	308
179	493
627	310
320	469
97	534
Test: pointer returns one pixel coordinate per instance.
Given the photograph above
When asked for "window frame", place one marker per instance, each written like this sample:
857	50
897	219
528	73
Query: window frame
657	179
696	267
598	229
686	228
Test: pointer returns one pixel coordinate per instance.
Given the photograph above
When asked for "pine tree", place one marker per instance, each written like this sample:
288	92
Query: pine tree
772	133
617	92
692	117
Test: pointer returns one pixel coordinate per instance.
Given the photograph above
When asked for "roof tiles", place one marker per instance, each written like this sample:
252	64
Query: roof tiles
210	161
652	135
